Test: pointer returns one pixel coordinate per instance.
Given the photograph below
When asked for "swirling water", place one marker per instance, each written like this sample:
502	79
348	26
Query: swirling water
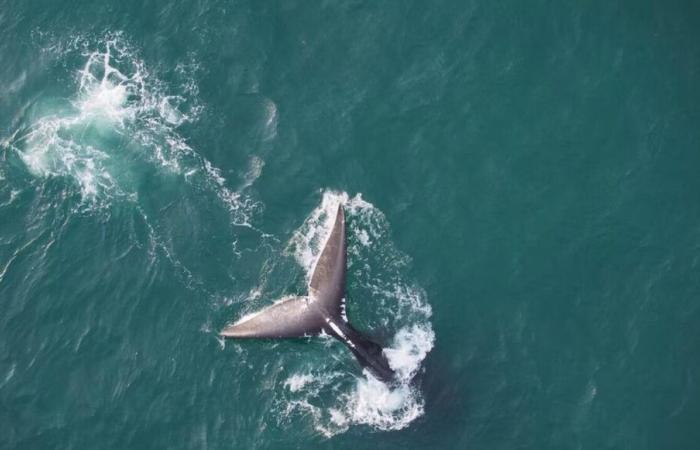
521	188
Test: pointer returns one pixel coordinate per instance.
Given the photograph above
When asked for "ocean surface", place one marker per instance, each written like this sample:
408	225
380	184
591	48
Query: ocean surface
522	187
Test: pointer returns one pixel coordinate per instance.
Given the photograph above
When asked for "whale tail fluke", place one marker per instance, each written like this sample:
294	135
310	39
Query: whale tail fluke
322	310
303	316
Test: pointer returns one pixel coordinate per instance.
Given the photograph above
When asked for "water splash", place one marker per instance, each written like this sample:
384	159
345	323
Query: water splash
104	90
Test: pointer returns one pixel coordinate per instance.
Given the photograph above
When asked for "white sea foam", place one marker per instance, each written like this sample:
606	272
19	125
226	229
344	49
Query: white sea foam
298	381
117	97
119	124
254	171
410	347
335	403
114	96
270	126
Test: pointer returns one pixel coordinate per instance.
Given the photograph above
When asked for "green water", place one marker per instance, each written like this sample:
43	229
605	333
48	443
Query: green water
523	197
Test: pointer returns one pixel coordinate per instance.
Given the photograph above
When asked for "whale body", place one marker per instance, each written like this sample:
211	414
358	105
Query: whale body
322	310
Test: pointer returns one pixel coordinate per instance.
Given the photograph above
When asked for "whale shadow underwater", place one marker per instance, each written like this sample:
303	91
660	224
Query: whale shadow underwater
321	310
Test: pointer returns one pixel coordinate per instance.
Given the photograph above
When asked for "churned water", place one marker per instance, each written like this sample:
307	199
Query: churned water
523	206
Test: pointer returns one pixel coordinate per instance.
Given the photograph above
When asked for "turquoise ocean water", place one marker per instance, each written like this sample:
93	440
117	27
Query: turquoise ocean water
522	184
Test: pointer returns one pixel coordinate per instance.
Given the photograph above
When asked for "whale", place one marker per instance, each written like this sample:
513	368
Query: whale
322	310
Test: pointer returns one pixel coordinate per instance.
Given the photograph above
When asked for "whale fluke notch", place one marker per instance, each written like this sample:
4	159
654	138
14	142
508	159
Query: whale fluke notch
322	310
